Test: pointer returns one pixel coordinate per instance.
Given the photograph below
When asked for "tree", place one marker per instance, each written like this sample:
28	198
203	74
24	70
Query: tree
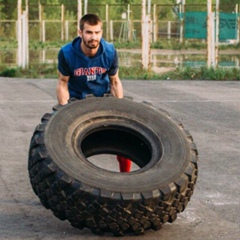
9	8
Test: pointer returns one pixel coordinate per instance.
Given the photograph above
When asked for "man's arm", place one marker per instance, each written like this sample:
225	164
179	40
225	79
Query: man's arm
116	86
62	89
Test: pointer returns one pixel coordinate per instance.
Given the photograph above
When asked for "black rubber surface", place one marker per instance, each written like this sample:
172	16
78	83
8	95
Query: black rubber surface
89	196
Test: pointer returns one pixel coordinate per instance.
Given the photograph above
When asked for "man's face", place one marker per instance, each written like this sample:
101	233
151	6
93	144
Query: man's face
91	35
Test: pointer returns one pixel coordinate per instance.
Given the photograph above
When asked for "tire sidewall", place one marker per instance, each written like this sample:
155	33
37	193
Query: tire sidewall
171	151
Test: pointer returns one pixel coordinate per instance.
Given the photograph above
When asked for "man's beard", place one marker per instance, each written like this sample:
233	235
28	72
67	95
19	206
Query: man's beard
90	45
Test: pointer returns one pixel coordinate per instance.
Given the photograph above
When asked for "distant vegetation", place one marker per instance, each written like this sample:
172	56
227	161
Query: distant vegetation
203	73
167	10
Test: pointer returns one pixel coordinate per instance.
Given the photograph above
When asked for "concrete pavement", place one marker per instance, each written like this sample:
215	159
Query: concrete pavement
210	110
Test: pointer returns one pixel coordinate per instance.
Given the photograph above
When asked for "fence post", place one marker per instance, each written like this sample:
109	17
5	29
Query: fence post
182	17
107	23
79	13
66	30
169	30
217	33
238	22
210	36
23	52
111	30
85	6
155	23
43	31
62	22
129	23
27	33
19	32
24	39
146	34
40	20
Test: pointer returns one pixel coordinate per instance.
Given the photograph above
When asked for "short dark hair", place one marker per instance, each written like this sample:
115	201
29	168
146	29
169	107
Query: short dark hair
90	19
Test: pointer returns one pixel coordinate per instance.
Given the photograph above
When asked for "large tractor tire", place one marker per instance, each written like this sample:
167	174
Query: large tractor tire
102	200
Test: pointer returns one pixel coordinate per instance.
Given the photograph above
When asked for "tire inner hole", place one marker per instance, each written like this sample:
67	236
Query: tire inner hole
101	146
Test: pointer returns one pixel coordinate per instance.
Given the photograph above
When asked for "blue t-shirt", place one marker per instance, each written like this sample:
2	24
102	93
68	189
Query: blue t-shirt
88	75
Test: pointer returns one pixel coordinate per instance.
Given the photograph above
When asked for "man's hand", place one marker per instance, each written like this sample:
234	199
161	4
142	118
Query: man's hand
62	89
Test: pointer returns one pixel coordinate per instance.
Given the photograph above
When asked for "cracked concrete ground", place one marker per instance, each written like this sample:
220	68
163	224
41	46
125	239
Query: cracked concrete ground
210	110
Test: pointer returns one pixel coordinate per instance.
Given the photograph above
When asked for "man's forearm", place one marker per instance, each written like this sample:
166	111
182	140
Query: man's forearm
116	87
62	96
62	89
62	93
116	90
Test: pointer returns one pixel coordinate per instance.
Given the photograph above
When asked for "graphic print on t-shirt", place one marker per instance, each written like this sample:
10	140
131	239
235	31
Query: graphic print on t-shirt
91	72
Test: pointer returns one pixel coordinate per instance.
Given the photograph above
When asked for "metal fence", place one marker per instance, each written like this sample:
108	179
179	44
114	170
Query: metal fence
122	23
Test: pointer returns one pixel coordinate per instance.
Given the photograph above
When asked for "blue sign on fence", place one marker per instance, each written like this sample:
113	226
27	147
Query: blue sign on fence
228	26
196	25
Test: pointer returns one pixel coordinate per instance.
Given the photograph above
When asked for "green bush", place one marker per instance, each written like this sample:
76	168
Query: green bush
9	72
203	73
